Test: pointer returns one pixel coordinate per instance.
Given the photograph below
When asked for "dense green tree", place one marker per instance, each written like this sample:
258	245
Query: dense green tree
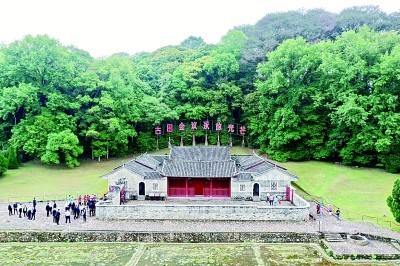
3	164
12	158
62	147
193	42
393	201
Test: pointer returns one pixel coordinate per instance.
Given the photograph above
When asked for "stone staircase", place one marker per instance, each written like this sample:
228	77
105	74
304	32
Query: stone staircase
141	197
333	238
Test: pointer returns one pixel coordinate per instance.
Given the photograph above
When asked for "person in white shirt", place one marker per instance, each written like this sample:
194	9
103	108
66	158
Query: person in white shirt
67	215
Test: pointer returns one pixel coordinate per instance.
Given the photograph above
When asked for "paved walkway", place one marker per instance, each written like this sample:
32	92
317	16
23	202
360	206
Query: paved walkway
328	223
323	223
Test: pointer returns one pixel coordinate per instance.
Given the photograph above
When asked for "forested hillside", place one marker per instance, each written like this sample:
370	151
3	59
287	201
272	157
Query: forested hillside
308	85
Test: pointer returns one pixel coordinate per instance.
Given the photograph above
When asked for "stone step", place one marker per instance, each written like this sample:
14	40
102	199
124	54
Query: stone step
396	245
256	198
141	197
333	238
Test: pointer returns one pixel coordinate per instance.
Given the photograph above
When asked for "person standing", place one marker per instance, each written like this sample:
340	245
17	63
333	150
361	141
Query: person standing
33	214
58	214
84	215
330	209
67	216
54	215
10	210
79	199
48	208
54	205
318	209
34	203
25	210
20	210
271	200
15	206
29	214
337	214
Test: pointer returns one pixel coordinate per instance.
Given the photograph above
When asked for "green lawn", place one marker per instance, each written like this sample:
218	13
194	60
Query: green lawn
355	190
42	181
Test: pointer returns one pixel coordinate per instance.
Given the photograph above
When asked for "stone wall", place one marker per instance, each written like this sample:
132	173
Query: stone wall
203	212
175	237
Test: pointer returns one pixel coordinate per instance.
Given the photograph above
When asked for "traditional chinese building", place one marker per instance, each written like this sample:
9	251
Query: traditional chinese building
209	172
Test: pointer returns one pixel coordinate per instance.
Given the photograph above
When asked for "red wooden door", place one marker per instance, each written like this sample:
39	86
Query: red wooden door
198	184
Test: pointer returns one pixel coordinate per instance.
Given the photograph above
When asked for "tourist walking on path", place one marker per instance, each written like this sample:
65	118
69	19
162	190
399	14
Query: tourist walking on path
318	209
338	214
330	209
10	210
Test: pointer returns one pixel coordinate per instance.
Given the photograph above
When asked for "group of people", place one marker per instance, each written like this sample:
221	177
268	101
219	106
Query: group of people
273	200
18	209
76	209
320	210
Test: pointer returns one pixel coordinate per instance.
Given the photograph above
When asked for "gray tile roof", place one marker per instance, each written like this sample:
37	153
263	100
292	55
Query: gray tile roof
152	175
200	153
149	161
200	162
137	167
174	168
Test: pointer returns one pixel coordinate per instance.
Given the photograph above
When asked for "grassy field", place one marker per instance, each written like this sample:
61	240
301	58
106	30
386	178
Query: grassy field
42	181
160	254
355	190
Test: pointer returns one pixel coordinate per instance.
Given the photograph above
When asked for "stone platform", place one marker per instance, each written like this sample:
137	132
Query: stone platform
205	209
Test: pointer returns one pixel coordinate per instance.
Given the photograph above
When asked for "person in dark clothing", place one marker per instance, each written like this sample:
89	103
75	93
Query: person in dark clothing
10	210
25	210
58	214
54	215
54	205
84	215
29	214
34	203
15	206
48	209
33	214
20	210
76	212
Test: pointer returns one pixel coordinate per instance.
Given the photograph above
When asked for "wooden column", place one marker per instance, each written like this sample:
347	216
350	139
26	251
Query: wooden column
186	187
211	194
